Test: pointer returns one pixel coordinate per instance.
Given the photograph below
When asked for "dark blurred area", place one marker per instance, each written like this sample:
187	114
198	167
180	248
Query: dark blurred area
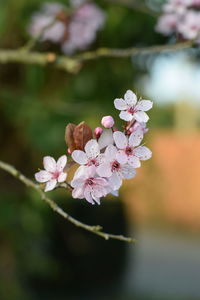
41	255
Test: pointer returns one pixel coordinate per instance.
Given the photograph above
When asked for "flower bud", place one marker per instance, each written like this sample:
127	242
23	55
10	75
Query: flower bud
97	132
108	121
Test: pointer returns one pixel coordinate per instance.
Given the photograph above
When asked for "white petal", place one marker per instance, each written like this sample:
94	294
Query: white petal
43	176
78	193
49	163
104	170
90	171
121	157
61	163
115	181
120	104
128	172
110	153
106	138
143	153
80	172
130	98
92	149
87	195
136	137
141	116
62	177
50	185
100	181
120	140
77	182
115	193
134	161
144	105
80	157
126	116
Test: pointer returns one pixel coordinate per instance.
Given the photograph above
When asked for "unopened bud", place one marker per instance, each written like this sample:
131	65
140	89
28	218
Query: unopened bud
97	132
108	121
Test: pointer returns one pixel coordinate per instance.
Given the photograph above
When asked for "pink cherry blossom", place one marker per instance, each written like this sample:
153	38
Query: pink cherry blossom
82	29
53	172
167	23
90	157
88	185
108	121
44	19
113	169
178	6
189	27
128	152
131	109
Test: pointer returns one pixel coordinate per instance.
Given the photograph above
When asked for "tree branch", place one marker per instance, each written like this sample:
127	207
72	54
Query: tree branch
73	64
29	183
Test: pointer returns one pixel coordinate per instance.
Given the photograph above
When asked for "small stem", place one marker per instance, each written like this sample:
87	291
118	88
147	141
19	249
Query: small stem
29	183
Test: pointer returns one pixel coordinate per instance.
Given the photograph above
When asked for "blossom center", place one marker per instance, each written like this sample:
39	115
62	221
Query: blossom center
129	151
93	162
131	110
55	175
90	181
115	166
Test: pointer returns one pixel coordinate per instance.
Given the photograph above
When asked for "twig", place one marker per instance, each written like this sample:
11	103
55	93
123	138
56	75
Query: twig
109	52
29	183
73	64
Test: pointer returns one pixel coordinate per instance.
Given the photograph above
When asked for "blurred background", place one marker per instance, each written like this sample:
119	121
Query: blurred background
41	255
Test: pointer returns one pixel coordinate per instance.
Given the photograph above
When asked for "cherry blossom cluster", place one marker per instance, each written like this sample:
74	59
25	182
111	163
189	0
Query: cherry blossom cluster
103	158
73	28
180	17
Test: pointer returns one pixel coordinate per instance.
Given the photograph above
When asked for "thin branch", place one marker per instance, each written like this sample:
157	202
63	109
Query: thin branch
109	52
73	64
29	183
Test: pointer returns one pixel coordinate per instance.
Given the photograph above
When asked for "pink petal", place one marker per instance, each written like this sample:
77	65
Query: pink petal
143	153
128	172
115	181
62	177
77	182
78	193
104	170
81	173
61	163
120	140
106	138
144	105
50	185
49	163
134	161
110	153
121	157
43	176
136	137
115	193
130	98
80	157
126	116
90	171
120	104
92	149
141	116
87	195
100	181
